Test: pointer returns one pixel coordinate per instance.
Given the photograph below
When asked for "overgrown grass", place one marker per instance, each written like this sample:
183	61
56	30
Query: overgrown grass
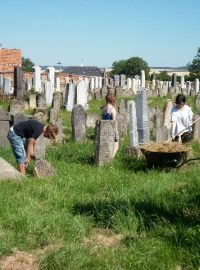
154	214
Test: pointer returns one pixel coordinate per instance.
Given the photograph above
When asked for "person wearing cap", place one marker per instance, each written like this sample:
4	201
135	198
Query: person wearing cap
23	136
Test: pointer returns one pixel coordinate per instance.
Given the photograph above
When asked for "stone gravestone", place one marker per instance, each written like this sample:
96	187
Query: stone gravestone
7	172
174	81
69	97
32	101
104	142
142	116
53	115
133	125
197	102
40	147
19	87
197	86
78	123
41	102
4	127
59	124
81	94
116	80
162	134
7	86
43	169
104	91
122	80
167	113
57	100
37	78
19	117
17	106
122	119
49	90
91	119
196	129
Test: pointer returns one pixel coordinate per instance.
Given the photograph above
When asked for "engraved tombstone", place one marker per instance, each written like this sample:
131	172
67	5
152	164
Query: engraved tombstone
78	119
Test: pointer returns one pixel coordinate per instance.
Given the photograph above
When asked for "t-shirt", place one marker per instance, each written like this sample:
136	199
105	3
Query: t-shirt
181	119
29	129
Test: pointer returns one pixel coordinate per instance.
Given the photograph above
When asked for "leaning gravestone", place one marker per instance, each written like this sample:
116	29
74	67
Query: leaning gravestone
78	123
104	142
7	172
43	169
4	127
40	147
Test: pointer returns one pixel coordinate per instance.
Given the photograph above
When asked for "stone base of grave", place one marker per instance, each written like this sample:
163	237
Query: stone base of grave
134	152
43	169
8	172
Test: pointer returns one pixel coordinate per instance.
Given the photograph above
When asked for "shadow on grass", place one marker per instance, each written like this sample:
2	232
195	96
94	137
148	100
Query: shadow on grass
147	212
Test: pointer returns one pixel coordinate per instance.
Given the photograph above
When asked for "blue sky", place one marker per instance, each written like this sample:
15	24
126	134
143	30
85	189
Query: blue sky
99	32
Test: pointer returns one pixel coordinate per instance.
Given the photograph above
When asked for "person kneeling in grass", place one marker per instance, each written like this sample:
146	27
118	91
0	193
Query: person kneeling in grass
23	136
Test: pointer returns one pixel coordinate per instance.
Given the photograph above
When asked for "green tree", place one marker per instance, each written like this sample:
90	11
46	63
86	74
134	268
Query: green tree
130	67
194	67
27	64
163	76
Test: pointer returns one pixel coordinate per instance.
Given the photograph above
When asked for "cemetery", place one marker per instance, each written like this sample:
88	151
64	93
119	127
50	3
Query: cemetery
81	208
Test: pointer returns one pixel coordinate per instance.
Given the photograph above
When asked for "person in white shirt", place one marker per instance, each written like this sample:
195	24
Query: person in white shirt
181	118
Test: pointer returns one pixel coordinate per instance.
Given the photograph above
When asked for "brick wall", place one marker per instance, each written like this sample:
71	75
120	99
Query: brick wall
10	58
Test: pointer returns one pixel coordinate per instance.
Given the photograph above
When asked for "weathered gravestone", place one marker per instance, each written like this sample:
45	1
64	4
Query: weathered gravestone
32	101
19	85
43	169
17	106
142	116
7	172
53	115
4	127
78	120
57	100
19	117
91	119
81	94
40	147
104	142
69	97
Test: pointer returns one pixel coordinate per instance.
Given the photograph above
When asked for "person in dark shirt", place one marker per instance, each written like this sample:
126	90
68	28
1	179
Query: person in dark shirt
27	132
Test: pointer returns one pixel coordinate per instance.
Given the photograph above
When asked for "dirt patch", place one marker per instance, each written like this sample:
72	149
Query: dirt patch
20	260
102	238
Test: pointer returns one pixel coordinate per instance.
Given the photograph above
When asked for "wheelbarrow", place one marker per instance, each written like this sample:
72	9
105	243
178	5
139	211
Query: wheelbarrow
159	157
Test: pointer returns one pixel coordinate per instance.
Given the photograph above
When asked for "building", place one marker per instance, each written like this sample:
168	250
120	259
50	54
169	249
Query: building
9	58
180	71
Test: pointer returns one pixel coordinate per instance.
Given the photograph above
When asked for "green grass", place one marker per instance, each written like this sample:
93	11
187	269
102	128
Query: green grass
155	213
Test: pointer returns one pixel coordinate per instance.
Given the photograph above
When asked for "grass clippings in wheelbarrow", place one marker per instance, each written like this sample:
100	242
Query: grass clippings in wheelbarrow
173	147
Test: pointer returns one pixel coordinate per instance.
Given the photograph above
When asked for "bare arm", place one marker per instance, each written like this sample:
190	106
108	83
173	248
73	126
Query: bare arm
30	150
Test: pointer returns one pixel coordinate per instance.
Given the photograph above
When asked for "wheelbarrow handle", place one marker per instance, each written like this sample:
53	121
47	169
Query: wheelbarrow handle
179	133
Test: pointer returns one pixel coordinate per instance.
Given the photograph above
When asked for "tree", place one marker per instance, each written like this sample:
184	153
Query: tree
163	76
27	64
194	67
130	67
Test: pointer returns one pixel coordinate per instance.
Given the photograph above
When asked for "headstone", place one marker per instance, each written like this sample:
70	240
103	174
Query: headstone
49	90
104	142
40	147
91	119
7	172
57	100
17	106
122	80
116	80
41	102
104	91
196	128
92	84
96	82
57	84
167	113
18	82
7	87
19	117
182	82
69	97
81	94
51	76
162	134
37	78
59	137
78	123
129	83
142	78
142	116
4	127
174	81
197	86
43	169
32	102
133	125
53	115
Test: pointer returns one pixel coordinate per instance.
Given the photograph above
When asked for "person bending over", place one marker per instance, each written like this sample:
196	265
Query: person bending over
181	118
23	136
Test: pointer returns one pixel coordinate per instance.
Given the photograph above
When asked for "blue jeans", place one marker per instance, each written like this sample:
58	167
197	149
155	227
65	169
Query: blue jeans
18	148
